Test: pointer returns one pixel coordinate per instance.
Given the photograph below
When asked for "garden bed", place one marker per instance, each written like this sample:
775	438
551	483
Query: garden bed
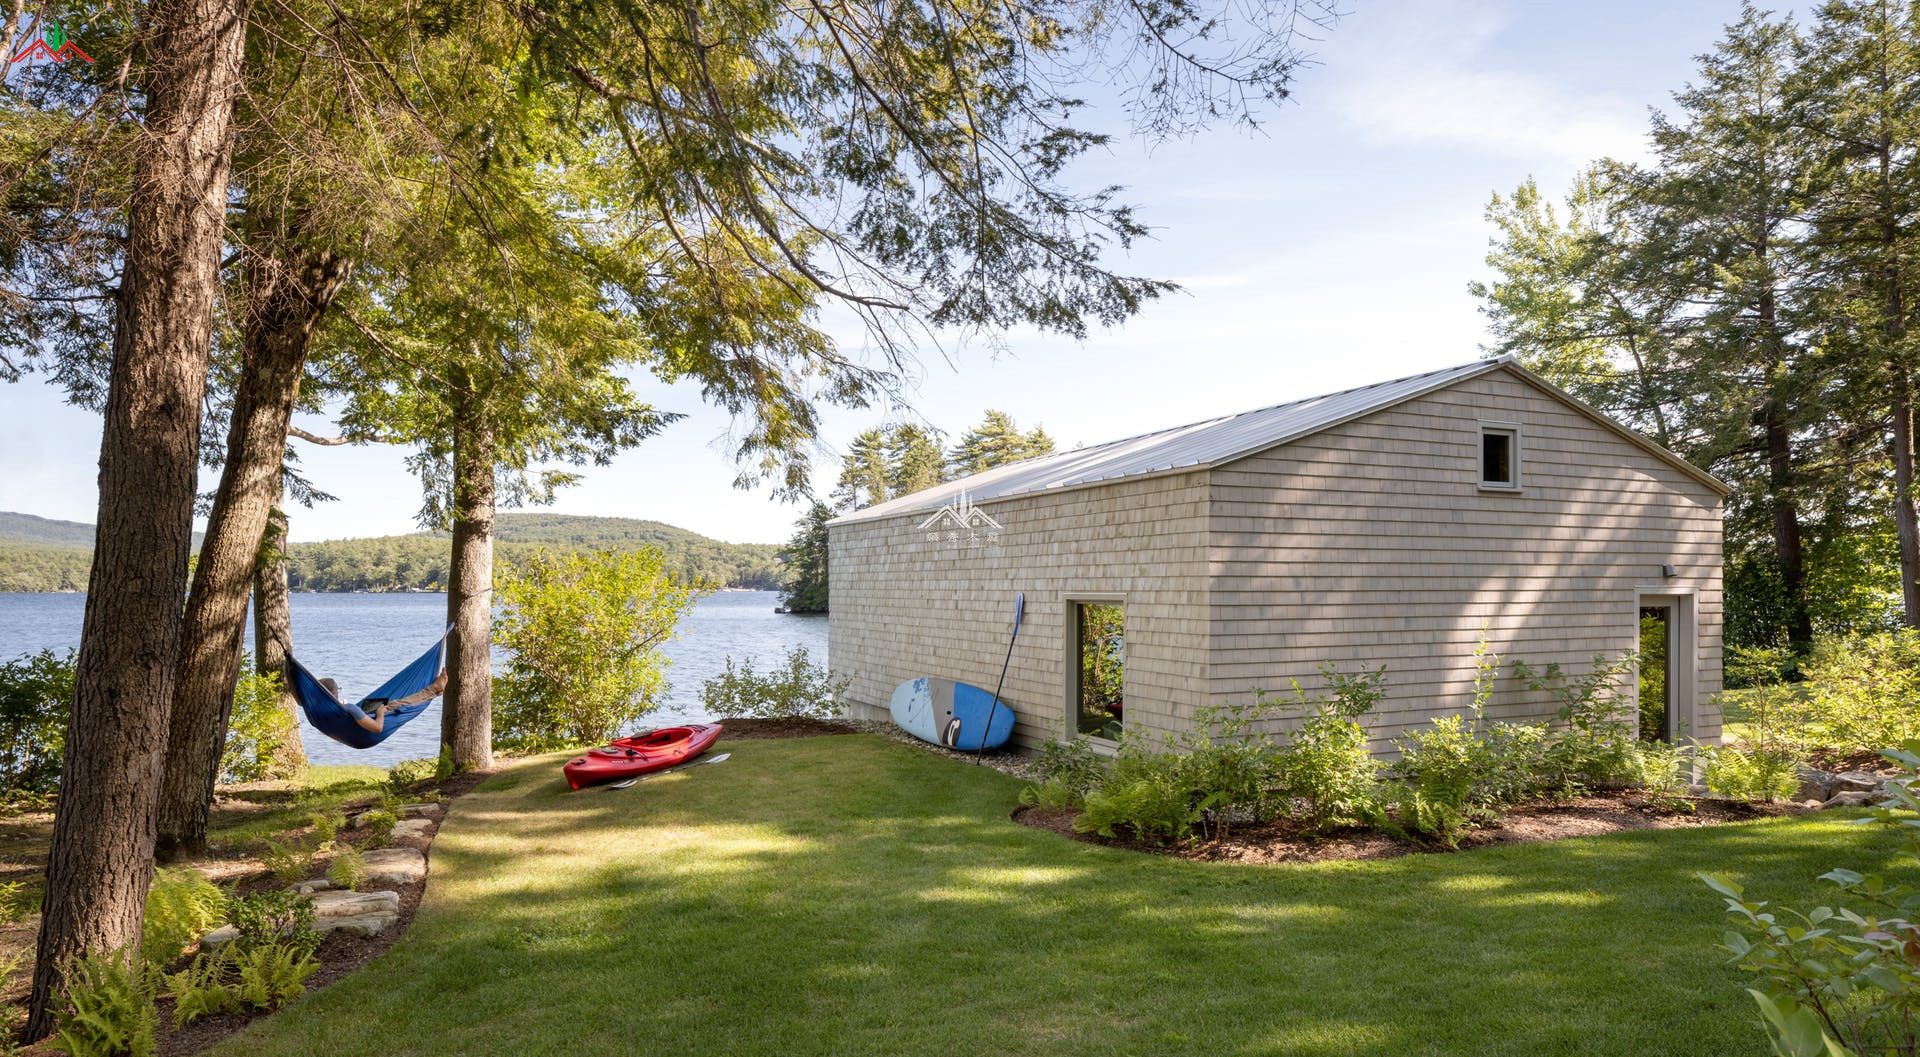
1530	823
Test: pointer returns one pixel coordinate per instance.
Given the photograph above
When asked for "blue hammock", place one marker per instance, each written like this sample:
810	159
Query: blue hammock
335	718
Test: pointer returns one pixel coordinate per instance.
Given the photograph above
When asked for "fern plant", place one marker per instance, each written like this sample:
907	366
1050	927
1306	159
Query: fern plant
348	869
273	974
182	906
109	1010
201	989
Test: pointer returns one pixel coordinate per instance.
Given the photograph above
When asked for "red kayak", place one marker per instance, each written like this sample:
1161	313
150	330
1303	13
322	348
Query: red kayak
656	750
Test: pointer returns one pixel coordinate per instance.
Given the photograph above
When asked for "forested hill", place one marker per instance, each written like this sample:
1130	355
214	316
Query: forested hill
37	554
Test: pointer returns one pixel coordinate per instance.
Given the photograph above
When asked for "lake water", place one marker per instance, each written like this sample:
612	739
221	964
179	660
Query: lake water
360	640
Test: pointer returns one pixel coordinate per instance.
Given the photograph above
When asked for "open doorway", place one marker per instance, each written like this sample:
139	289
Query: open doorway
1099	668
1656	688
1668	677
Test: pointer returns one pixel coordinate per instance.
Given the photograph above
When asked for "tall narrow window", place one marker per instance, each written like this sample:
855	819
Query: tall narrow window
1100	643
1499	457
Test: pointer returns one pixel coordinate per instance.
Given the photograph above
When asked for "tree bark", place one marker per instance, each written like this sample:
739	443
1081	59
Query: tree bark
286	297
1786	524
273	625
466	720
1905	523
100	862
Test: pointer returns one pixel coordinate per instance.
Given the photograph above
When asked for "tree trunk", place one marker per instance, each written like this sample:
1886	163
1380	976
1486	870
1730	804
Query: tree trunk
100	862
273	626
286	297
1786	525
466	721
1904	521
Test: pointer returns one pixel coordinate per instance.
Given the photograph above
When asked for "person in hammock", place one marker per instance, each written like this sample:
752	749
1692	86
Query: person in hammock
378	721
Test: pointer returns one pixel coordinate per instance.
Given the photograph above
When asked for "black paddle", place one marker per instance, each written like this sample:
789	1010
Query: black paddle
1019	612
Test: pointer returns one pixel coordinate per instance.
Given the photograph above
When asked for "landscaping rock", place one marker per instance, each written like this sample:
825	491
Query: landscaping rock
359	924
345	904
422	810
219	937
413	829
1850	798
396	865
307	888
1855	780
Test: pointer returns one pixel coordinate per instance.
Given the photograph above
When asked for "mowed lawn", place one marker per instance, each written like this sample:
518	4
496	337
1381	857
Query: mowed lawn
849	895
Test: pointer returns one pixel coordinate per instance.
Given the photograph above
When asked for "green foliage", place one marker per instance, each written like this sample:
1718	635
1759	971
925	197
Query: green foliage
1103	667
406	774
1145	795
273	917
805	587
1859	693
1842	979
202	989
326	826
1073	764
800	690
182	906
1752	773
13	904
1053	794
290	861
1599	746
996	441
273	974
108	1008
42	567
379	823
1327	765
584	631
260	733
348	869
36	692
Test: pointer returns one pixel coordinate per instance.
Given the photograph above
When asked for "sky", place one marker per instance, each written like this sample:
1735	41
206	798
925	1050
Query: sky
1329	249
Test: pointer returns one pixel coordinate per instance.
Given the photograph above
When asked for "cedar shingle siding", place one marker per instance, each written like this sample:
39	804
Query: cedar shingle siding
1369	542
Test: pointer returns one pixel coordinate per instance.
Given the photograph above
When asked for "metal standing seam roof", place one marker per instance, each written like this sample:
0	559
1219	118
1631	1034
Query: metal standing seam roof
1199	445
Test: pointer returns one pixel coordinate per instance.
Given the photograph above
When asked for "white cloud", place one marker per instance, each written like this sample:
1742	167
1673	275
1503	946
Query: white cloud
1427	73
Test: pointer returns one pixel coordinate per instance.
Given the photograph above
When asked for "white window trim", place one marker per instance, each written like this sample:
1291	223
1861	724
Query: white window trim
1514	455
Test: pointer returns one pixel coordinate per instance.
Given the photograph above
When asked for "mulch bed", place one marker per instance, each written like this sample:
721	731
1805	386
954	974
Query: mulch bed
791	727
1279	842
340	953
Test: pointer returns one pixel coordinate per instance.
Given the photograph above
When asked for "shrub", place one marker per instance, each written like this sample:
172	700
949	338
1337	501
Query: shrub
348	869
1751	773
1073	764
266	918
273	974
202	990
1144	795
109	1009
1053	795
1838	980
1599	747
799	690
1327	765
582	629
379	823
182	906
1227	772
36	692
1859	693
13	903
262	737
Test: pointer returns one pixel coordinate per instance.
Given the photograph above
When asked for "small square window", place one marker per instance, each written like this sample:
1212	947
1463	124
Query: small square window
1499	457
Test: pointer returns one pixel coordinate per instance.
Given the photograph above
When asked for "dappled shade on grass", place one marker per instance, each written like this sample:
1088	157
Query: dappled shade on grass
850	895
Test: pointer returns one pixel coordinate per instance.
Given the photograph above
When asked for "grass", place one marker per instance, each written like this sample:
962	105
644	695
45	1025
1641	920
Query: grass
850	895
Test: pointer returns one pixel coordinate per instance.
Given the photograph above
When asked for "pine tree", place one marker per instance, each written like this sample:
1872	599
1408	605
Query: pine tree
914	462
805	557
864	477
996	441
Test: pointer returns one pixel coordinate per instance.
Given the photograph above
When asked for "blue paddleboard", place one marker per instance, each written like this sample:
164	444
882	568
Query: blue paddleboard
952	714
